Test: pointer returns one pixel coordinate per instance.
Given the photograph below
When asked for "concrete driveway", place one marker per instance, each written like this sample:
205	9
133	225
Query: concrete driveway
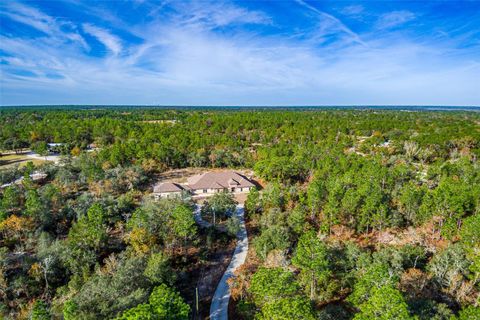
221	297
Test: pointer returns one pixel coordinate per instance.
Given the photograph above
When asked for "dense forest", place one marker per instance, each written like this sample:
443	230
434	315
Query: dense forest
362	214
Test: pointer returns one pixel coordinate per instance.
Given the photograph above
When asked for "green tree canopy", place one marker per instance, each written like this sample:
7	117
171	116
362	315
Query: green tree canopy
269	284
311	258
386	303
164	303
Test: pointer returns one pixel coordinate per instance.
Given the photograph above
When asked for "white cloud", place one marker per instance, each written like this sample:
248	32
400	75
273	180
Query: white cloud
110	41
216	14
332	23
38	20
353	10
191	63
394	18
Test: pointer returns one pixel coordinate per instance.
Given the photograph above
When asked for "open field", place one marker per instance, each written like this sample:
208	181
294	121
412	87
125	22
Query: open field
18	159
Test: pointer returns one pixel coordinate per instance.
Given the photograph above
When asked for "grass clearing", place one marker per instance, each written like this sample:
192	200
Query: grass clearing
17	159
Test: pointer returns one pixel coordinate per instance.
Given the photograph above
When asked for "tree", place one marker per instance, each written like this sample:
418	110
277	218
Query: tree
164	303
40	311
469	313
274	237
331	209
272	197
168	304
449	265
16	227
75	151
183	223
252	203
140	312
450	201
141	240
233	225
119	285
316	193
311	258
296	220
269	284
85	239
69	310
41	148
11	198
409	202
287	309
285	169
375	276
386	303
374	210
89	230
33	204
430	309
158	269
469	231
220	205
278	295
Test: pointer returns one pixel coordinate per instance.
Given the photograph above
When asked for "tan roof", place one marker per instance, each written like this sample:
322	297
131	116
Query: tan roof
218	180
167	187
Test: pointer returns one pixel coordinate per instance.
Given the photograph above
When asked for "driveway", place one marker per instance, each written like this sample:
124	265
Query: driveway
221	297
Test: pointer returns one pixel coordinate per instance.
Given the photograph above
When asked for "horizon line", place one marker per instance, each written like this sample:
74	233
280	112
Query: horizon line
244	106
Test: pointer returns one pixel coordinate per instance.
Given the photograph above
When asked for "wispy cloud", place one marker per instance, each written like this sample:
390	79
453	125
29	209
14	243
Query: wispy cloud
394	19
29	16
110	41
220	14
352	10
40	21
200	54
332	22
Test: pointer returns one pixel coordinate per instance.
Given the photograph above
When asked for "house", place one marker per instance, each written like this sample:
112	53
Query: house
212	182
205	184
168	190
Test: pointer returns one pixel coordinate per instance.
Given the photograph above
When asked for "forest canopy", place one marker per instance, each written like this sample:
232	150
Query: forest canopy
359	214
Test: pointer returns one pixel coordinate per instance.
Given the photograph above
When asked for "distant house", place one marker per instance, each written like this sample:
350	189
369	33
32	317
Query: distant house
167	190
206	184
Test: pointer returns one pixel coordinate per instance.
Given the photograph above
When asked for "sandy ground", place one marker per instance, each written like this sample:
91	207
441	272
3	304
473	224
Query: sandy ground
53	158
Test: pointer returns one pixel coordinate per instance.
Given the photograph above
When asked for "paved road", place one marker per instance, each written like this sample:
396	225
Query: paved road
221	297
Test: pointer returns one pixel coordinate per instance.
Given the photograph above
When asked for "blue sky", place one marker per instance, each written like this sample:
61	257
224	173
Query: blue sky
295	52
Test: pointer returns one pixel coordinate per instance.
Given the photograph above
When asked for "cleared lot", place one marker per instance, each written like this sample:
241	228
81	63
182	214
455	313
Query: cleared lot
18	159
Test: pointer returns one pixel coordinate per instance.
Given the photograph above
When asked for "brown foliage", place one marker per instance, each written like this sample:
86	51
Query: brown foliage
416	283
140	240
240	282
16	227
